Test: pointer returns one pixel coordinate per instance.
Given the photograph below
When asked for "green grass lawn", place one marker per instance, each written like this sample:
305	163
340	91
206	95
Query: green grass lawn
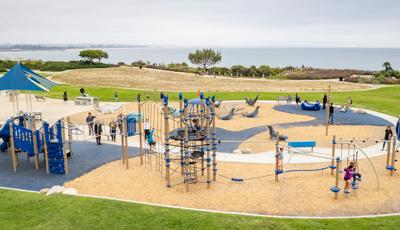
386	100
23	210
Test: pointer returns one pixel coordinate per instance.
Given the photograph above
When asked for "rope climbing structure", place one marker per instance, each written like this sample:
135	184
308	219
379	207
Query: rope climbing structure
185	141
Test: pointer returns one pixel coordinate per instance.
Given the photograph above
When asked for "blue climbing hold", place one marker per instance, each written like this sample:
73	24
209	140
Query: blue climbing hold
390	168
335	189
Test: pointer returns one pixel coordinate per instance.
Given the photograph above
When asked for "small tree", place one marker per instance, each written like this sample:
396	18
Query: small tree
101	54
90	55
205	58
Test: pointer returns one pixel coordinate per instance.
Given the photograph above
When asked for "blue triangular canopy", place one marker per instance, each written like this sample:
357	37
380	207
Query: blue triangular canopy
20	77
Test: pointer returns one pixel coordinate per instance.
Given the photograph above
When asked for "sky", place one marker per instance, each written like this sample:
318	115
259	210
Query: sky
239	23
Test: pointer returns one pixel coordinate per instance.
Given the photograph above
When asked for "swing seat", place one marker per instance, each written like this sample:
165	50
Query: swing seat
278	171
332	166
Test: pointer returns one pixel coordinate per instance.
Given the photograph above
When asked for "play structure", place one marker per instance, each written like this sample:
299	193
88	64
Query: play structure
251	102
310	106
49	141
185	143
253	114
228	116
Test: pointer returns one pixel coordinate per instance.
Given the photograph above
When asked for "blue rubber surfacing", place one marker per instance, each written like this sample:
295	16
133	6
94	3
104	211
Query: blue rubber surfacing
86	157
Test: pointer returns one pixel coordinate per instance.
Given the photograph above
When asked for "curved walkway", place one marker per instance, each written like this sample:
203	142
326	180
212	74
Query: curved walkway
269	157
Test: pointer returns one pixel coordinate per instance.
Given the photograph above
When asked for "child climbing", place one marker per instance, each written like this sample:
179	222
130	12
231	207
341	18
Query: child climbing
146	128
150	139
387	137
279	158
348	175
356	174
197	127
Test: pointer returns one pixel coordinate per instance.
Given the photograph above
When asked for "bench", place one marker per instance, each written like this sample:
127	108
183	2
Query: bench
287	99
38	97
302	144
84	100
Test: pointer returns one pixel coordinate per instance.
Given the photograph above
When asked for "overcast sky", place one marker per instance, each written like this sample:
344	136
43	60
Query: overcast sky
350	23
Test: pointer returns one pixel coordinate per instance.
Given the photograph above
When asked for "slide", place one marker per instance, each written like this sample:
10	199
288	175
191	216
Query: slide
5	136
310	106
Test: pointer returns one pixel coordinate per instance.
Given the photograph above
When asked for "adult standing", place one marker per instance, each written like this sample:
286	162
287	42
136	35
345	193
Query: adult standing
98	130
116	98
388	136
324	101
113	129
119	122
298	100
398	129
331	112
65	97
89	120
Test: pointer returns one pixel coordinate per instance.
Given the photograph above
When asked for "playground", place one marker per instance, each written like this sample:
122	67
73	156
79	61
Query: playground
249	155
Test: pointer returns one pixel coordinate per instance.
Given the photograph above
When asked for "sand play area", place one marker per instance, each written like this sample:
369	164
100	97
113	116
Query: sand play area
160	80
297	193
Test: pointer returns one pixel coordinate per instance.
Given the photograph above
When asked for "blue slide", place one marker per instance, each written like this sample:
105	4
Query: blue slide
5	136
310	106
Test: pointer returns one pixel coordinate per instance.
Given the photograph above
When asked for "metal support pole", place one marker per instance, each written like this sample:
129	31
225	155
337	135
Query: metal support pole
333	152
166	142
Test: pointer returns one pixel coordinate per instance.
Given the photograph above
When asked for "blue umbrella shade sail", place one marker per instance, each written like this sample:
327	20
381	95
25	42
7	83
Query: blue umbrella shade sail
20	77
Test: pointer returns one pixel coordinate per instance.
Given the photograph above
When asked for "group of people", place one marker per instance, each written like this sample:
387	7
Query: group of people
331	107
96	127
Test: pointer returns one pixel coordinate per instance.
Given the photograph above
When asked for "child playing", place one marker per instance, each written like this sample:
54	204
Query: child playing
146	128
279	158
348	175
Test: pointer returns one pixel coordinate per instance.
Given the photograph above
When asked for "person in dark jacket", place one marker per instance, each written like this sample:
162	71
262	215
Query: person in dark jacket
89	120
388	136
98	130
65	97
298	100
331	112
324	101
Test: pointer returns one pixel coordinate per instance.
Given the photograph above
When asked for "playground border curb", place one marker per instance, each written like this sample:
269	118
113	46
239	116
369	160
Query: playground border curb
218	211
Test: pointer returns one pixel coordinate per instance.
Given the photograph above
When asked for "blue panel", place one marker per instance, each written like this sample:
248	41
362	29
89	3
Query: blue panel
301	144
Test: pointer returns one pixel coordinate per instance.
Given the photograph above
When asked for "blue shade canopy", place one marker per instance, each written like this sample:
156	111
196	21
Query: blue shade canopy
21	77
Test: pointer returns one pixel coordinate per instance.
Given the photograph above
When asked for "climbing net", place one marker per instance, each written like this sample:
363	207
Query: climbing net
183	139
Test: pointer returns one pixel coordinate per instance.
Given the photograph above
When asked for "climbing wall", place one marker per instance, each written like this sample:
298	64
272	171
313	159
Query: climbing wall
56	158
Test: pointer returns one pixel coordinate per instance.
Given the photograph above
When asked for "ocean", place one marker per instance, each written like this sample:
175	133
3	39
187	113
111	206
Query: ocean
341	58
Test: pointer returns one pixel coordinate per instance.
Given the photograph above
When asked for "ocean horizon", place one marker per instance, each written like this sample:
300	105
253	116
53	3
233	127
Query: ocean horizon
318	57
